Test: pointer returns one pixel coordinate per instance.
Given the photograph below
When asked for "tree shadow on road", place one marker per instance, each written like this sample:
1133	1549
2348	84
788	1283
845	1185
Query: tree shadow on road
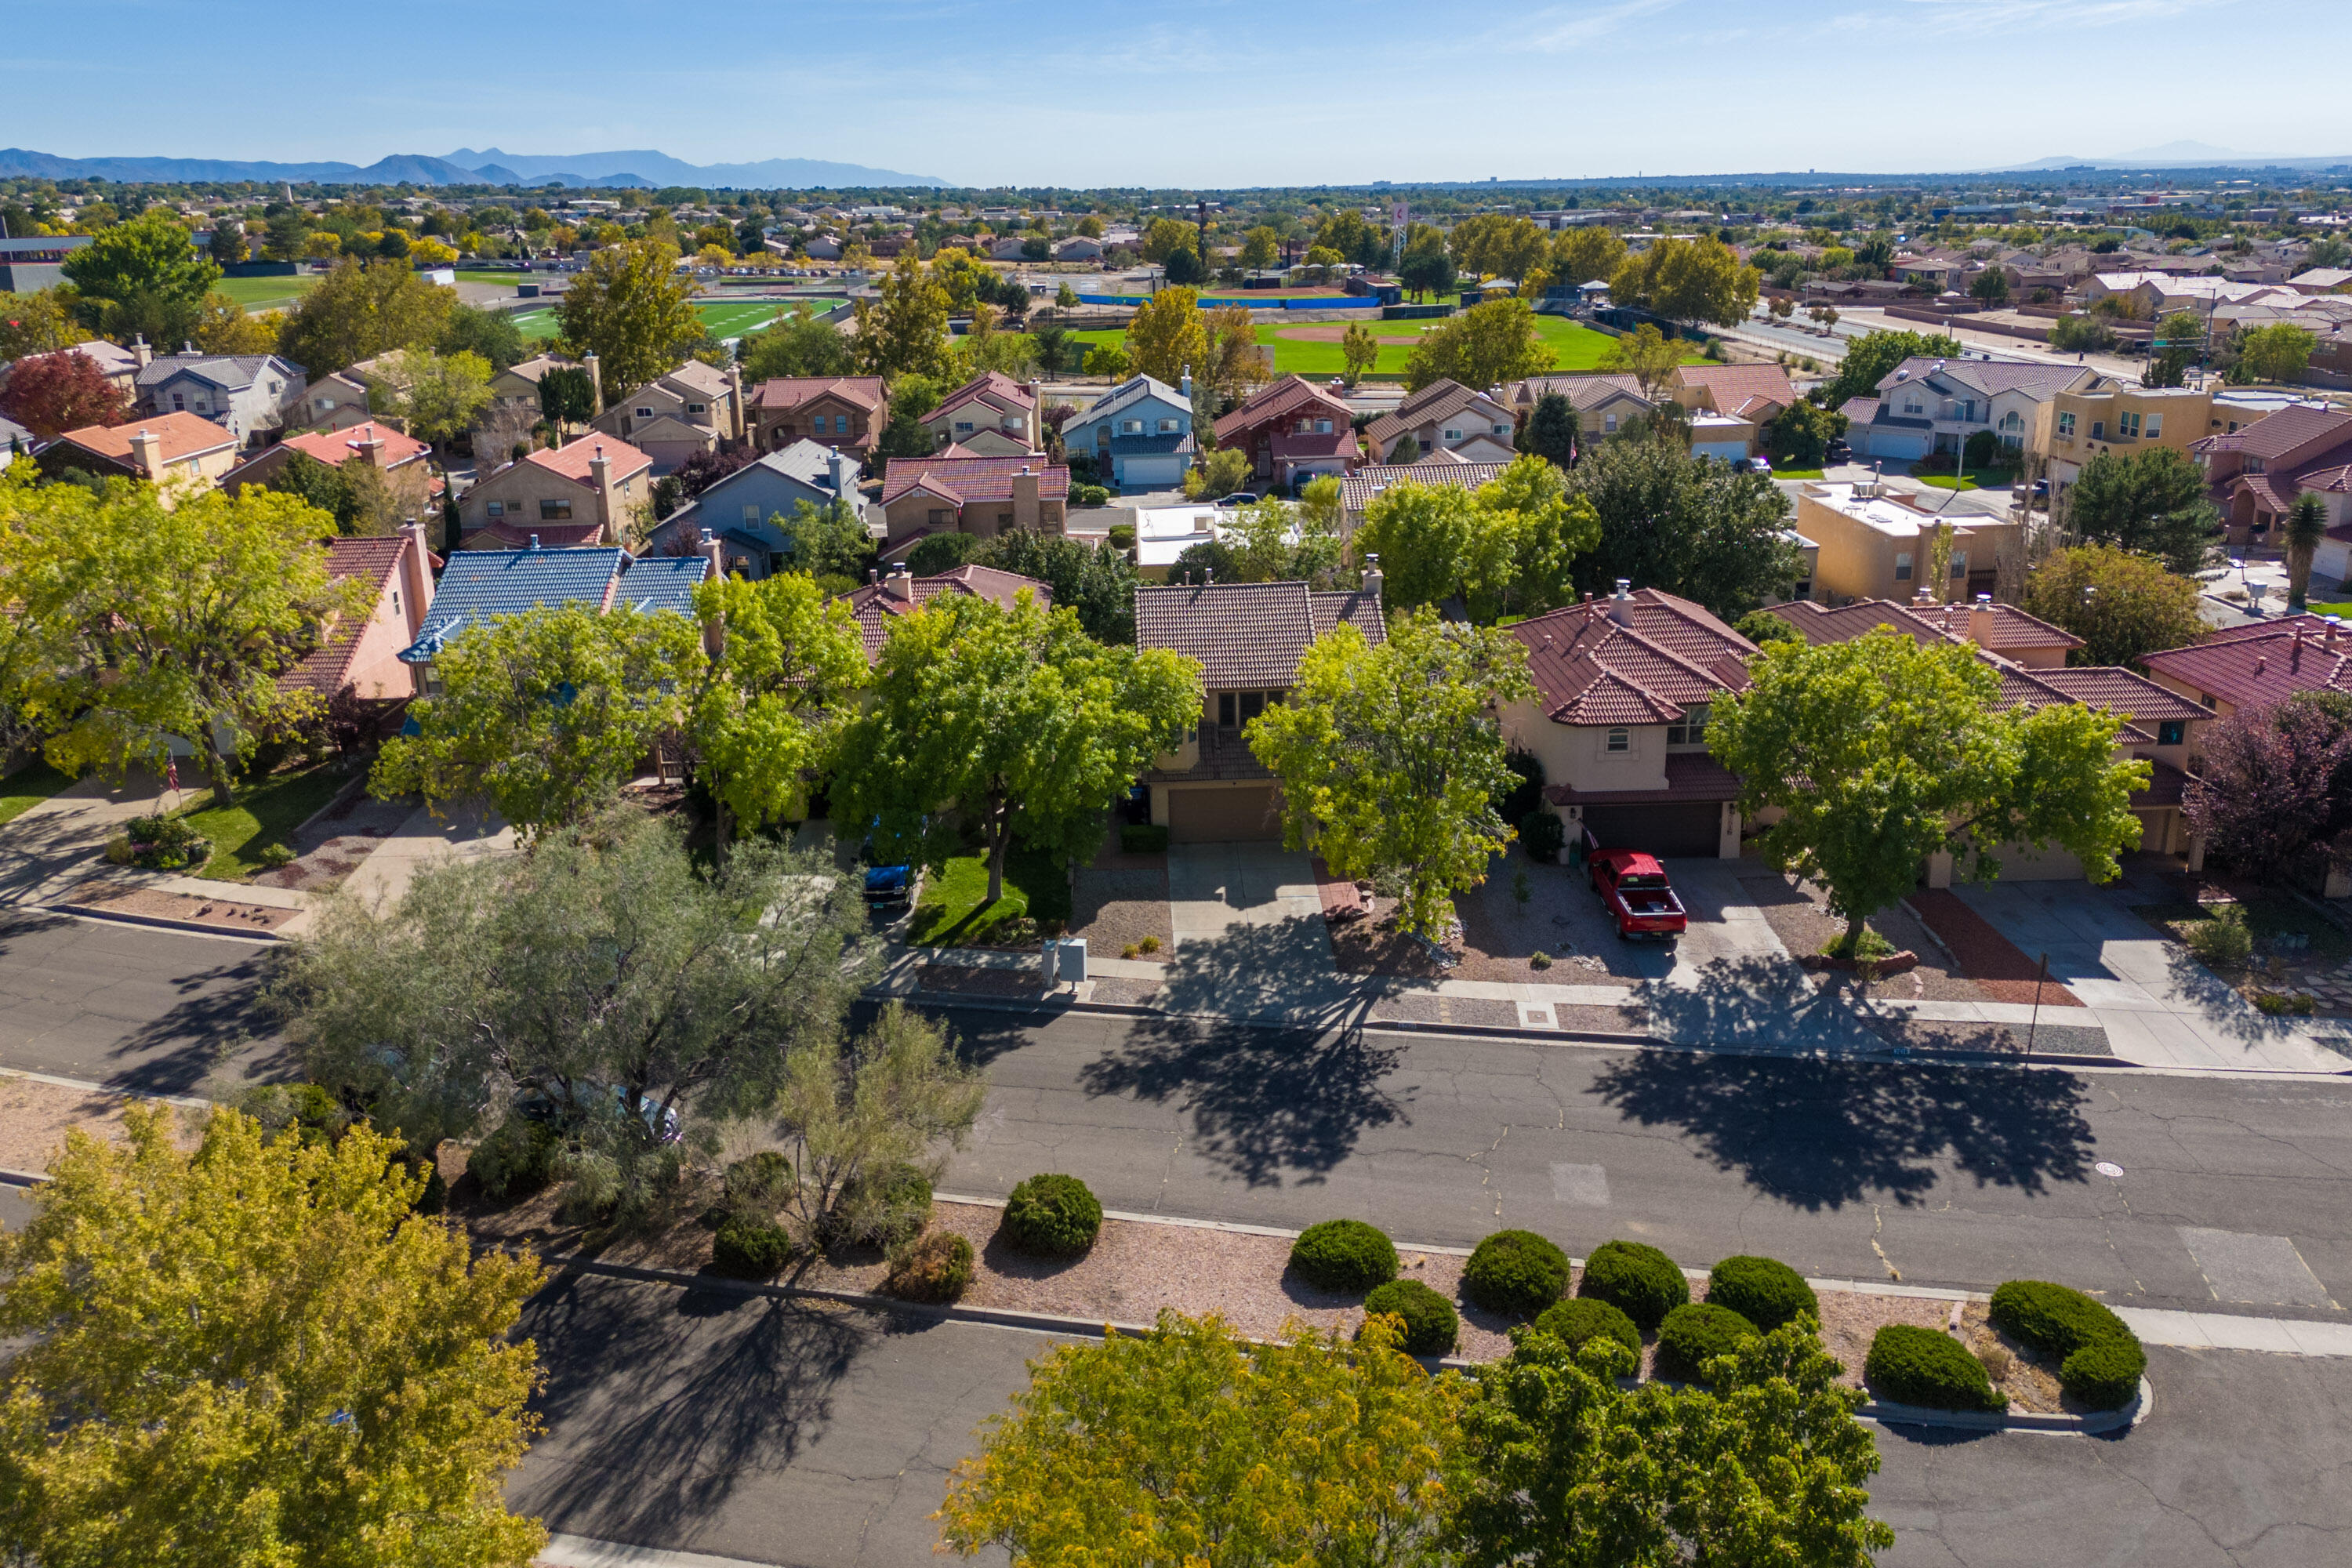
1263	1101
1821	1134
655	1418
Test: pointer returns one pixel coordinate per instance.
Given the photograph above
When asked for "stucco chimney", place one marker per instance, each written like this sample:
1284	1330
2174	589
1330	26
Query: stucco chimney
1621	605
146	453
534	541
370	447
842	468
416	574
1184	386
735	402
595	370
900	583
2335	624
1026	513
600	475
141	354
1374	578
1981	619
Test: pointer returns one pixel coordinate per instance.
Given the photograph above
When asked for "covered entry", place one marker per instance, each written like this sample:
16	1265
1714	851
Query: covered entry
1214	814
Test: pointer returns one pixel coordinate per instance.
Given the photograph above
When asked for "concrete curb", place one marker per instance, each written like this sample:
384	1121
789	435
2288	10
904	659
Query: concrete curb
2094	1423
162	922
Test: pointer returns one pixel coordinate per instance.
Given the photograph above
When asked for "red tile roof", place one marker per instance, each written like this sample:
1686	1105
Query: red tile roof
332	447
179	435
516	533
327	668
575	462
1668	654
2283	434
1248	636
1285	399
2255	666
791	391
2012	628
1439	400
968	480
1298	445
874	607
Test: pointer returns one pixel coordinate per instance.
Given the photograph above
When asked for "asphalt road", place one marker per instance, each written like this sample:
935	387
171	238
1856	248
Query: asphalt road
1951	1176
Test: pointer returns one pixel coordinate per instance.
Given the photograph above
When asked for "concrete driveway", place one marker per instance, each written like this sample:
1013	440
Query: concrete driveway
53	845
1730	980
1251	941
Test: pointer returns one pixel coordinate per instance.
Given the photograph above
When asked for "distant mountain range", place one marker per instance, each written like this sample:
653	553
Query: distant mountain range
2184	155
644	170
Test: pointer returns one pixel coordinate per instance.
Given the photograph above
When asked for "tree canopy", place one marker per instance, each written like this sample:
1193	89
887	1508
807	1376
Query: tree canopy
1687	280
1553	430
362	310
1684	525
635	311
1391	756
143	275
1485	345
801	346
256	1353
1168	338
1505	547
2280	351
1647	354
2276	785
1881	753
906	329
1095	584
434	396
773	703
2122	605
51	394
2151	502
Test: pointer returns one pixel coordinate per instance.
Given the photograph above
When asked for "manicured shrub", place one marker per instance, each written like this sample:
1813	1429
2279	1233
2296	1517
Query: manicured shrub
758	1183
1541	835
1575	1320
2064	1323
1344	1254
750	1248
1142	838
1638	1280
1052	1216
166	843
1430	1324
881	1208
1911	1365
935	1268
1515	1271
1764	1291
516	1160
1696	1333
276	855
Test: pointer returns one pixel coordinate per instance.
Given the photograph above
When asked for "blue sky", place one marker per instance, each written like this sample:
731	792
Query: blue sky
1218	92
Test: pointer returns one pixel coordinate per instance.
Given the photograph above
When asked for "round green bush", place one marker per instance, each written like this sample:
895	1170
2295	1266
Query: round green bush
2059	1320
1694	1334
516	1160
1764	1291
937	1268
1052	1216
1574	1322
1515	1271
1911	1365
1344	1254
884	1206
1430	1324
758	1183
750	1248
1638	1280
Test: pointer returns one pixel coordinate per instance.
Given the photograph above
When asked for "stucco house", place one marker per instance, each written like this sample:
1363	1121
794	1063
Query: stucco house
362	659
746	512
1139	432
176	452
1367	484
991	416
1729	404
594	491
1605	400
2256	474
1873	542
252	397
685	413
890	597
980	496
478	586
1927	406
387	449
1478	425
844	411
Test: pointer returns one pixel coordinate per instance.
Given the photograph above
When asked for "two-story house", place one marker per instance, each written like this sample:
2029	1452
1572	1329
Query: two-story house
1248	638
360	658
1477	425
1873	542
692	410
991	416
252	397
595	491
478	586
177	452
980	496
2108	414
2258	665
379	445
1139	434
1605	400
2255	474
845	411
1729	404
749	511
1927	406
888	599
1292	430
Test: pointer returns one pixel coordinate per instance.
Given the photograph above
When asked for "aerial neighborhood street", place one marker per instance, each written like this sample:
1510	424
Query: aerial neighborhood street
1218	862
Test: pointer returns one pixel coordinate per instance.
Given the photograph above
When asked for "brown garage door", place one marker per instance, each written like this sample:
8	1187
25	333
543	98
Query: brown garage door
1213	816
1661	830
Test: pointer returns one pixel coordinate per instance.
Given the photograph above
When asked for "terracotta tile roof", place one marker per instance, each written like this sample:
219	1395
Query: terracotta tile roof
573	462
1248	636
1730	387
518	534
791	391
2166	785
1439	400
1690	775
2283	434
1859	410
968	480
875	608
2011	629
2253	666
332	447
1295	446
1358	490
1666	656
180	435
327	668
2133	695
1286	398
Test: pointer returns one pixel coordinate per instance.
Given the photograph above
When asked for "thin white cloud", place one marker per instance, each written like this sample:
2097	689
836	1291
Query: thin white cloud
1559	28
1978	15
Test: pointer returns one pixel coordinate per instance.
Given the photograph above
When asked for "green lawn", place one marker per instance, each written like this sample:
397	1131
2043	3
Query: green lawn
954	910
1983	479
267	293
2317	609
725	317
265	812
1798	474
1578	347
27	787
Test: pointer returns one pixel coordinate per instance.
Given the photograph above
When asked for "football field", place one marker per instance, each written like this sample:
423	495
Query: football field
725	317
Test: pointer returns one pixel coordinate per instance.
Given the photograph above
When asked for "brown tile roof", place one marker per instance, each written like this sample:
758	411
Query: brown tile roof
1285	398
2283	434
967	480
575	462
992	388
1295	446
2133	695
327	668
1669	655
1358	489
1690	775
791	391
1581	391
179	434
876	609
1733	387
2253	666
1438	400
2013	628
1248	636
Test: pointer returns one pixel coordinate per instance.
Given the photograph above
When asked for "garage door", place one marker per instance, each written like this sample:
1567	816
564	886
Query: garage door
1151	470
1664	830
1213	816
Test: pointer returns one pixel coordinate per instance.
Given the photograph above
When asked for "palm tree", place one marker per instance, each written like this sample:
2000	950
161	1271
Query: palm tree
2306	525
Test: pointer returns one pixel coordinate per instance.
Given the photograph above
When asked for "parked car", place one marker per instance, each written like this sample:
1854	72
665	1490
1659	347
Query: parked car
1759	464
544	1105
1838	451
1634	889
1238	498
890	887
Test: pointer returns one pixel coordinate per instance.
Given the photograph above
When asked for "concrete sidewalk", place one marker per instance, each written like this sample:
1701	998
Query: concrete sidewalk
463	833
50	848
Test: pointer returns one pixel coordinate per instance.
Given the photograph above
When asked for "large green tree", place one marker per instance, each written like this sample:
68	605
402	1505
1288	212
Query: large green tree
764	719
434	396
1684	525
254	1351
146	276
1190	1448
1495	245
906	331
360	309
1392	758
2278	353
801	346
634	309
1648	355
165	623
1872	357
1504	549
2122	605
1012	720
489	333
1799	436
1095	583
1881	753
1553	430
1168	339
1687	280
546	713
2151	502
1485	345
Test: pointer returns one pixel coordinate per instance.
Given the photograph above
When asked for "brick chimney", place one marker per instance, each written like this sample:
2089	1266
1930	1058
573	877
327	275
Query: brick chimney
416	575
146	454
900	583
1981	620
1026	513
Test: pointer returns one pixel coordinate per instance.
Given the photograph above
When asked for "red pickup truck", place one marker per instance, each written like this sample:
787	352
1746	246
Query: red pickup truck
1633	887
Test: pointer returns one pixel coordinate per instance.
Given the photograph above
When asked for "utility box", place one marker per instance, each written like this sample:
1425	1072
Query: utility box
1066	960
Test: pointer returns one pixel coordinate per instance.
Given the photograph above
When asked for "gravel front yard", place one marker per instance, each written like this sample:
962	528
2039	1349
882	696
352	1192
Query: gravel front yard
1500	935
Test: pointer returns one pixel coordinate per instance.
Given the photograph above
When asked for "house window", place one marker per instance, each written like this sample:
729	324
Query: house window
498	508
1969	409
1959	565
2172	733
2098	429
1130	426
1620	739
2126	426
937	518
1454	435
179	402
325	404
1913	406
2253	465
644	412
750	513
1609	423
555	511
1688	731
963	427
1902	567
2066	427
1236	708
697	408
1168	427
1501	429
1322	427
2207	700
2155	425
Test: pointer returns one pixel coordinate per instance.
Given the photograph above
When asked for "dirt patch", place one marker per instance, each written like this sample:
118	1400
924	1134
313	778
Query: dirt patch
331	845
2001	971
34	1118
130	899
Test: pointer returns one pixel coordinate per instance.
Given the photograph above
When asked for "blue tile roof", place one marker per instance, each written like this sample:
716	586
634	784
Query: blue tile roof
654	582
478	584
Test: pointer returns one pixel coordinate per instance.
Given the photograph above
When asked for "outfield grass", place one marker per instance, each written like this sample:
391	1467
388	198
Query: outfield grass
1576	346
725	317
953	909
267	293
265	812
27	787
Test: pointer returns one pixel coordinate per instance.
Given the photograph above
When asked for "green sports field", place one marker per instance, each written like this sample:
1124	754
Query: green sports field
725	317
1312	348
267	293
